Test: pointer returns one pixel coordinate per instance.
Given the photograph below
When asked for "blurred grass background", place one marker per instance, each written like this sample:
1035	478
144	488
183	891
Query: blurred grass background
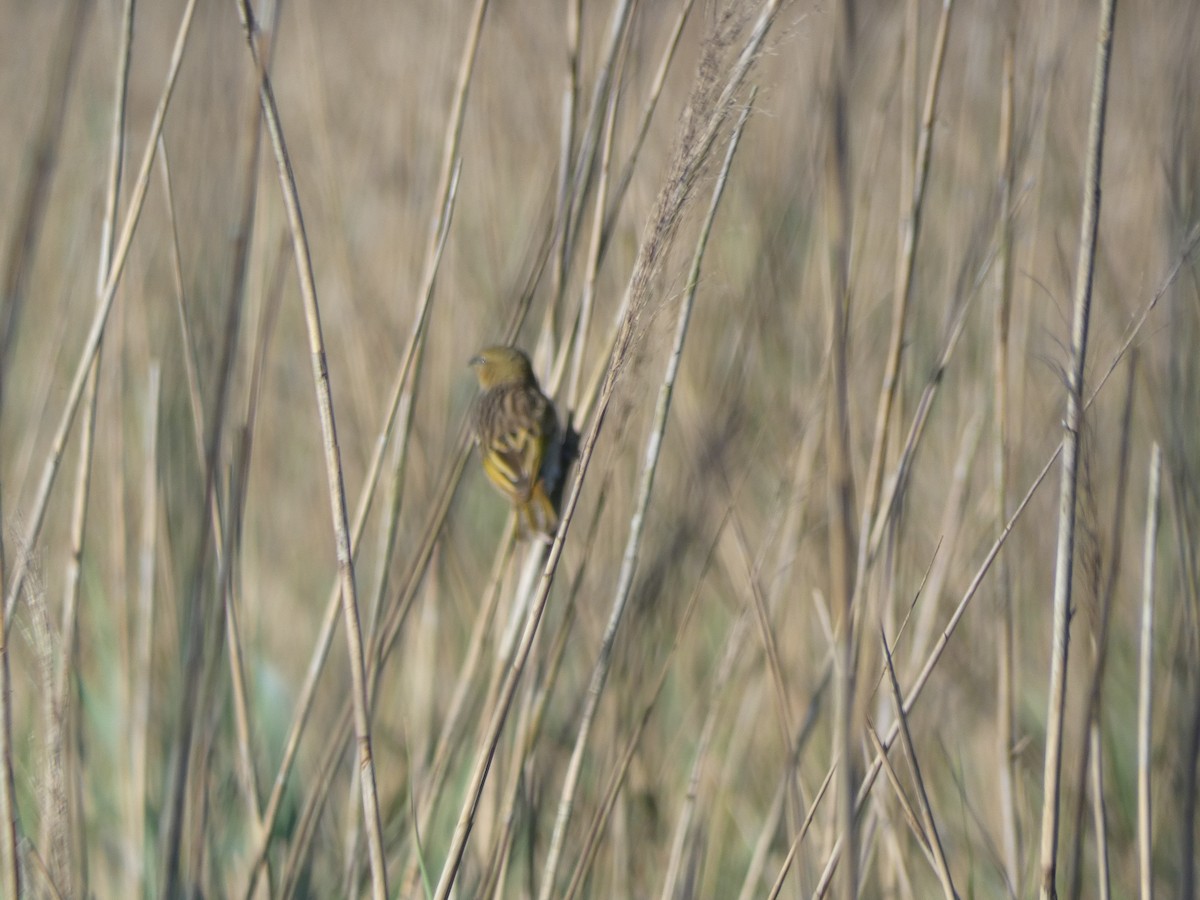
741	502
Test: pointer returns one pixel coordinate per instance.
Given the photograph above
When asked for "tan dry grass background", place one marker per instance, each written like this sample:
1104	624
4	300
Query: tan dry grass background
364	91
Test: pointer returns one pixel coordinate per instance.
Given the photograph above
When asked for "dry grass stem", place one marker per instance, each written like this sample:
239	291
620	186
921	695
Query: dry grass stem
883	287
629	559
910	815
1099	813
691	154
141	670
91	344
910	230
31	208
935	655
1072	436
1005	651
1145	680
10	862
333	462
843	540
931	831
1100	648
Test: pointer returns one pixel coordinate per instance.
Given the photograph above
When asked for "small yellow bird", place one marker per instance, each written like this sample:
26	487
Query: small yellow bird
516	430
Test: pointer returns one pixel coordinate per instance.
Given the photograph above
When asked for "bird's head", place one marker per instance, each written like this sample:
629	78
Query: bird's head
496	366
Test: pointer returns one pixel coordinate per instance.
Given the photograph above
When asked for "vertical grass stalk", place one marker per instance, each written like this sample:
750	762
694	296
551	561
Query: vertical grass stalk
1010	839
37	514
1072	435
333	463
1145	682
143	648
10	862
842	539
633	541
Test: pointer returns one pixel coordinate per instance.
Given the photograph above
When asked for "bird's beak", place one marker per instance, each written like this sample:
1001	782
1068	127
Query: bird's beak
475	361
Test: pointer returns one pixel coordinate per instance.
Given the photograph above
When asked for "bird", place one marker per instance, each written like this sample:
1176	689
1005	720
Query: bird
516	431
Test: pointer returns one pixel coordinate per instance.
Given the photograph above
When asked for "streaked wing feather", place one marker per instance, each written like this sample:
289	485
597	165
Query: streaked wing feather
513	426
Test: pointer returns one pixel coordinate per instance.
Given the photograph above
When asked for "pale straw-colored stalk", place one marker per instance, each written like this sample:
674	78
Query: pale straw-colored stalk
620	769
37	514
30	208
10	862
935	654
1005	670
399	408
663	224
1072	436
931	832
1145	842
1091	724
629	559
143	647
910	231
60	777
922	678
333	463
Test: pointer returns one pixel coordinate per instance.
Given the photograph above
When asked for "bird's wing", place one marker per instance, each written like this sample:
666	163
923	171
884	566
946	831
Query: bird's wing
505	460
515	442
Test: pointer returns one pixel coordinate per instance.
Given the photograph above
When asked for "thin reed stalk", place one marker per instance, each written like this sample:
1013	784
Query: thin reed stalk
629	559
525	746
644	120
583	320
10	861
62	868
840	488
1005	668
758	860
951	528
305	827
37	514
403	401
566	147
27	230
687	813
620	769
227	528
935	841
898	481
187	338
141	673
1099	813
54	831
337	490
433	778
910	815
1093	707
1072	435
790	858
909	234
700	131
58	785
400	401
931	661
1145	841
590	141
935	654
207	622
56	813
